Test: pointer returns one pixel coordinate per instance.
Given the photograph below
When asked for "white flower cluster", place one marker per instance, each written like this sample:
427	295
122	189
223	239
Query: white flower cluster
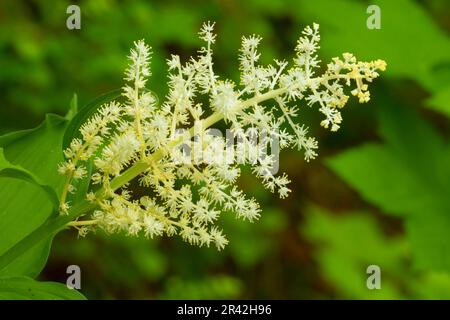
179	192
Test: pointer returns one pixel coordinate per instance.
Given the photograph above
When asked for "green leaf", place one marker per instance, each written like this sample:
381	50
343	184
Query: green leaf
9	170
25	206
84	114
429	235
73	110
363	168
24	288
346	244
440	101
408	175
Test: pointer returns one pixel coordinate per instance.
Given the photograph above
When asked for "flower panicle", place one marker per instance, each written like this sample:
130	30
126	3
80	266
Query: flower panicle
187	173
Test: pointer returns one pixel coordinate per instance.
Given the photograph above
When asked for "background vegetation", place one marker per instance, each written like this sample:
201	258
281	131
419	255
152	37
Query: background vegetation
377	194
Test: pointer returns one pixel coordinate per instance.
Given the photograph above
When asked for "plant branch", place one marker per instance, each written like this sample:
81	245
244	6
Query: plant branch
53	225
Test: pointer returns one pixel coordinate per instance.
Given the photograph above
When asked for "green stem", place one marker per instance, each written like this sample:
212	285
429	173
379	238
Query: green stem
53	225
82	223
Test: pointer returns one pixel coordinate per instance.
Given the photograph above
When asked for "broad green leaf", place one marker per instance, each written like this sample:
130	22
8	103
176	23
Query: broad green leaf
429	234
37	149
25	206
409	40
85	113
381	178
346	245
408	175
440	101
413	139
24	288
9	170
433	286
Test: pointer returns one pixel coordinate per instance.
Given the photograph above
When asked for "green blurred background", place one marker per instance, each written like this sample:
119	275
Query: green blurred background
377	194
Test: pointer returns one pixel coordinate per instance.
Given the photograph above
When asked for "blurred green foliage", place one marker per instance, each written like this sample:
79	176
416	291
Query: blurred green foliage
416	183
398	217
346	244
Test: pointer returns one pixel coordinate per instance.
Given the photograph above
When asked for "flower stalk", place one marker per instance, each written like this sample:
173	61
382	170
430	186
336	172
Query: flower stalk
138	139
